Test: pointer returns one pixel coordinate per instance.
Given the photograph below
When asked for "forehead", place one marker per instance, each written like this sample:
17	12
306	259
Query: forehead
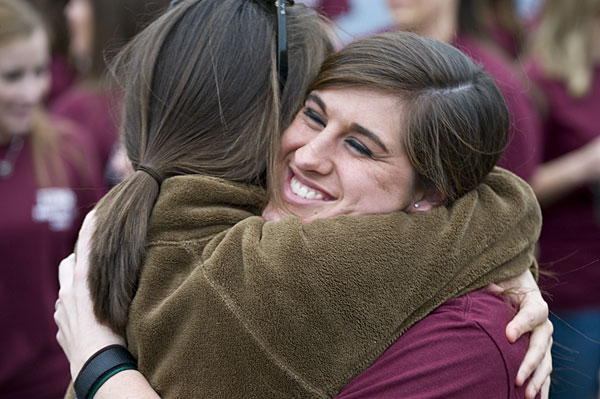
30	49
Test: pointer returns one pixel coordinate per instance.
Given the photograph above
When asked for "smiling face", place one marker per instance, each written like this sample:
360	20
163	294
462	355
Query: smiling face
342	155
24	79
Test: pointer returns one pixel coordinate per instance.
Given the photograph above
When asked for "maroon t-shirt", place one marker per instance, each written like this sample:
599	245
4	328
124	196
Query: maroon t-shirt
458	351
63	77
570	238
524	150
97	111
38	227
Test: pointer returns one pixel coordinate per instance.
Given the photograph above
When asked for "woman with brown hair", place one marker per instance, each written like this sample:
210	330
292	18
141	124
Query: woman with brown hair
565	69
46	186
216	302
98	29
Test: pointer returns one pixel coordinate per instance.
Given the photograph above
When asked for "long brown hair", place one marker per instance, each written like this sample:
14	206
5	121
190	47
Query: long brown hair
454	119
201	96
115	23
563	42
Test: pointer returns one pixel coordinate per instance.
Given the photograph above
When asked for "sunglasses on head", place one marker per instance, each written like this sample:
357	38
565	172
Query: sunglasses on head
282	42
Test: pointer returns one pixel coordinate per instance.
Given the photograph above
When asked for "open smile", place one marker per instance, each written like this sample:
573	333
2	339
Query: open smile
303	189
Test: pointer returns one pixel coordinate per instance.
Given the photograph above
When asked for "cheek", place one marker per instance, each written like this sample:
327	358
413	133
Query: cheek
42	89
382	190
293	138
7	94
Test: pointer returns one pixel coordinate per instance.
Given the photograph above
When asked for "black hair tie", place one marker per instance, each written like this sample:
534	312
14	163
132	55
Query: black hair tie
154	174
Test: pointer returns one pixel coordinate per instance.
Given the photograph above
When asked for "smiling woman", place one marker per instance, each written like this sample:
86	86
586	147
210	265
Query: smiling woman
342	155
45	187
388	127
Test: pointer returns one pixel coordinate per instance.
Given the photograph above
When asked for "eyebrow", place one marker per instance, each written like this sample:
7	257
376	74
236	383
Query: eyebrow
313	97
369	134
355	126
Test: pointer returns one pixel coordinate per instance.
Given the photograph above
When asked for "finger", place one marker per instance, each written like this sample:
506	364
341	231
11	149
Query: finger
546	389
59	339
538	354
495	288
540	343
85	235
540	377
89	221
57	319
533	312
65	270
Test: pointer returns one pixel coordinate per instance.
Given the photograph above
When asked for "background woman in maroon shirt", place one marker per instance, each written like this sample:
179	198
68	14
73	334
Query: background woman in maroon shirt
565	67
47	170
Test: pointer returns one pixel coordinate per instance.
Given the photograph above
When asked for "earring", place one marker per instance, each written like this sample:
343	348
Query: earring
417	205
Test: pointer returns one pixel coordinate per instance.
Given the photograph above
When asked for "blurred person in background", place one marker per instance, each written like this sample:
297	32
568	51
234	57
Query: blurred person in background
98	29
497	23
46	187
565	67
440	19
62	71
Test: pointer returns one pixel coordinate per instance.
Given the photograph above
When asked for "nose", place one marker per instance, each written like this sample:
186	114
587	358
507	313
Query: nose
317	155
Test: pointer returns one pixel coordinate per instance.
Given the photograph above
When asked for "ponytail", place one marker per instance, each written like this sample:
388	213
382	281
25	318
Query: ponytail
119	245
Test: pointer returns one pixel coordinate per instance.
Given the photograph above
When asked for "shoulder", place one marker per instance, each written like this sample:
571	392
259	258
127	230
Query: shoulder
457	351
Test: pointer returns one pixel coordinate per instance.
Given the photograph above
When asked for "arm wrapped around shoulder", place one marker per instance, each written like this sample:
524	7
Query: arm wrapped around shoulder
303	308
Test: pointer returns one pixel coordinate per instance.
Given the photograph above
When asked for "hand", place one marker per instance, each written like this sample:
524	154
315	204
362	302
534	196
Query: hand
532	317
79	333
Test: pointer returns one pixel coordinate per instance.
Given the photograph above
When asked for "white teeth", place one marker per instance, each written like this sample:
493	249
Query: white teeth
303	191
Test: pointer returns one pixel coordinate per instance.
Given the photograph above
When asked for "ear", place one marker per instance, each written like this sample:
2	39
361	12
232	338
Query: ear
426	201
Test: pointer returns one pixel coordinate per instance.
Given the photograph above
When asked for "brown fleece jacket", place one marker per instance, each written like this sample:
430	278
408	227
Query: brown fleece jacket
231	306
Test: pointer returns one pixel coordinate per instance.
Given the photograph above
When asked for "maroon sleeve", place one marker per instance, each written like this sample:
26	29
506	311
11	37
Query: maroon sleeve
458	351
